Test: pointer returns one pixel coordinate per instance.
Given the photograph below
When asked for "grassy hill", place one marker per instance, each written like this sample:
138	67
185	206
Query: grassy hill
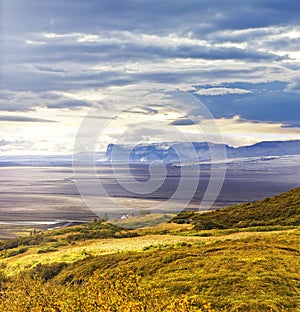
168	267
281	210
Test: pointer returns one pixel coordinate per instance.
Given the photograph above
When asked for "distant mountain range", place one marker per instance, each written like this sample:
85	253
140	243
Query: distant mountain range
168	153
36	160
197	151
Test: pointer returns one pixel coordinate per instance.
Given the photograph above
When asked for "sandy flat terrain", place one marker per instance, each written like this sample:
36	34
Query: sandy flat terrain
50	194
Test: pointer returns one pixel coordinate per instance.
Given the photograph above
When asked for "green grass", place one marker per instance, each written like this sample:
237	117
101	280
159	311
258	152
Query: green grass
280	211
227	273
237	272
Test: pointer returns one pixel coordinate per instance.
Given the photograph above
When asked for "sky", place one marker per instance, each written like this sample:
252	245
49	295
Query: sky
61	58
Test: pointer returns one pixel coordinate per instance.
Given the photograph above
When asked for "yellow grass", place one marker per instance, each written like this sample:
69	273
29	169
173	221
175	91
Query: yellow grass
82	249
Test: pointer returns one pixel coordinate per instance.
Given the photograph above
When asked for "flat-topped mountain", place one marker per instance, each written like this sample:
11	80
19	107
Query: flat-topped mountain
197	151
166	152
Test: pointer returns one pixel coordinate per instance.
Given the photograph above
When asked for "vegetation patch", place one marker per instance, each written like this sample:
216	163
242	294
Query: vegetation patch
182	266
267	214
13	252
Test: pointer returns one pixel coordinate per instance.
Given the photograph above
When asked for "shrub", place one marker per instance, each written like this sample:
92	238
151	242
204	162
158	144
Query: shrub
46	249
14	252
122	291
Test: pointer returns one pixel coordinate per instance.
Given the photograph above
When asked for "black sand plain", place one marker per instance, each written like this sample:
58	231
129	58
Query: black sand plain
49	194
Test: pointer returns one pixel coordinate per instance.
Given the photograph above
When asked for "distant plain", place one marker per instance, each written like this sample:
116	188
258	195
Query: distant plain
44	195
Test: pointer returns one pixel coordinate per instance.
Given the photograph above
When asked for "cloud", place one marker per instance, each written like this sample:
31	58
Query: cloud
23	119
183	122
14	101
93	15
221	91
150	110
294	87
4	142
59	56
50	69
238	131
16	107
273	104
69	104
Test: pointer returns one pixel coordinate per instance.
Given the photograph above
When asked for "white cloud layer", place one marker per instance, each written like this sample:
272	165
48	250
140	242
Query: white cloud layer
221	91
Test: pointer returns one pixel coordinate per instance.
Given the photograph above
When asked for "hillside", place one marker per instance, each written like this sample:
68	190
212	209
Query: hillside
168	267
281	210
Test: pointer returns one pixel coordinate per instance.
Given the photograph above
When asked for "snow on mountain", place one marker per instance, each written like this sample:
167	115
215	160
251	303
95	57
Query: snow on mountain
270	148
168	153
197	151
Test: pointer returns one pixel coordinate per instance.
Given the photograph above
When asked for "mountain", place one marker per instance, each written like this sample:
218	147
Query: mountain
167	152
268	148
48	160
36	160
197	151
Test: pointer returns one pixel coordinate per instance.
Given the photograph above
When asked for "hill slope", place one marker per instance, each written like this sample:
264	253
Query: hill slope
281	210
171	267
